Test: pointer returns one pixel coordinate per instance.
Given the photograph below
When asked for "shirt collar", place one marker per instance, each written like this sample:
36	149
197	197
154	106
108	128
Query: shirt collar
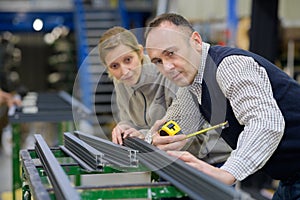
199	77
196	86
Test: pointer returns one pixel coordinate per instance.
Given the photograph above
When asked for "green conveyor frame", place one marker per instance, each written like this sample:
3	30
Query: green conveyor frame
35	181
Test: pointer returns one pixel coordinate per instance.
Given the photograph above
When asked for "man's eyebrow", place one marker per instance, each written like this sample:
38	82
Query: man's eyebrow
163	52
168	49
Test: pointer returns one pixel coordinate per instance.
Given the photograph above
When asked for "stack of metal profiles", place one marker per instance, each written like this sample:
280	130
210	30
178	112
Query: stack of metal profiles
114	154
81	151
36	186
59	180
186	178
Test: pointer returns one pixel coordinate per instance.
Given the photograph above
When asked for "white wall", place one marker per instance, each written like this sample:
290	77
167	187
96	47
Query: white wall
289	13
211	10
207	10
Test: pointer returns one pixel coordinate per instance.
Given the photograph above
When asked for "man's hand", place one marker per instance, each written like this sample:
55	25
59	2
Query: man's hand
122	131
204	167
165	143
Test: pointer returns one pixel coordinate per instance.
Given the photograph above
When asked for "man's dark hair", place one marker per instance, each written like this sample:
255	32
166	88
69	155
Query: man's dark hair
176	19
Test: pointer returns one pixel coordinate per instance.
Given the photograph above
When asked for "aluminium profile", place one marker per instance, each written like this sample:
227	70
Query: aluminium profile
84	151
33	178
59	180
114	154
186	178
80	162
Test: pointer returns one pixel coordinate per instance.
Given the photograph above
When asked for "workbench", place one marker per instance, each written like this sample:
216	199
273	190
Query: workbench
52	107
58	173
37	184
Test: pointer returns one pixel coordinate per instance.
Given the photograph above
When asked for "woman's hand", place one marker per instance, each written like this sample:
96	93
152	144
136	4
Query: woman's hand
204	167
132	132
122	131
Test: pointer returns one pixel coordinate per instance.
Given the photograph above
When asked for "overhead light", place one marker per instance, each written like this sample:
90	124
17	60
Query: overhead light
49	38
37	24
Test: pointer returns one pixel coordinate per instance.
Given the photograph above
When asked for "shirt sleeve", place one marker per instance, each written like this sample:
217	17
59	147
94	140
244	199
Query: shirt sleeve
208	146
247	87
185	112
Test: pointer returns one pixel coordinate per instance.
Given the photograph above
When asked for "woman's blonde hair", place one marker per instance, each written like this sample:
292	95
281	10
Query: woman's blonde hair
114	37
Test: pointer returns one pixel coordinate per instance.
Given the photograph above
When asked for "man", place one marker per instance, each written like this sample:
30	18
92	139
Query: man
260	102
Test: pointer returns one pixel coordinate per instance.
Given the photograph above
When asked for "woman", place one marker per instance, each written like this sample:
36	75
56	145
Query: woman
142	93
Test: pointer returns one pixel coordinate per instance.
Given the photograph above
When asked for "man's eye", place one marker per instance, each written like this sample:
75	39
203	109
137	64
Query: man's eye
156	61
170	53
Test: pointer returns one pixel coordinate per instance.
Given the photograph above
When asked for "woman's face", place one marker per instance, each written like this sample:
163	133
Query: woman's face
124	64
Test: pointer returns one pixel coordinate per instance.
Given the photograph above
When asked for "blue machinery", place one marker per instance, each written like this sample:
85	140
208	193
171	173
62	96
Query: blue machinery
16	22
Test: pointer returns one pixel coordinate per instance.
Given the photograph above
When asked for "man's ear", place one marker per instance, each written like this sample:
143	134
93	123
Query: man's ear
196	40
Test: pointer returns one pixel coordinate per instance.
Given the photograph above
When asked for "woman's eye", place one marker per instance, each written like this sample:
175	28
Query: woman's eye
114	66
127	60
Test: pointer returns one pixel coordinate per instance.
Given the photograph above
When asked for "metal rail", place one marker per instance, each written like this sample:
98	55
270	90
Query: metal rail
80	108
114	154
38	190
93	157
41	191
80	162
186	178
59	180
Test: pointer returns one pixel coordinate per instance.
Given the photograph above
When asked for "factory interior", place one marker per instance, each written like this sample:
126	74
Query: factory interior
49	57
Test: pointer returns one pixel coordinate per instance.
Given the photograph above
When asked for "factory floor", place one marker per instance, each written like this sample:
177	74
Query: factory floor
5	175
6	166
27	139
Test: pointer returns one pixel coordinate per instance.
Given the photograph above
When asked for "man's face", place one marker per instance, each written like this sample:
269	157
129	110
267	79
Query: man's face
172	53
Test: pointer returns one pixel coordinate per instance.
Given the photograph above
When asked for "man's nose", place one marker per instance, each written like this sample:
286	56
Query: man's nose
168	66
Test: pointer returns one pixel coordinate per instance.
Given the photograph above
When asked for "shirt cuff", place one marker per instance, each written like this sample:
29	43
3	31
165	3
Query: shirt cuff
148	137
239	168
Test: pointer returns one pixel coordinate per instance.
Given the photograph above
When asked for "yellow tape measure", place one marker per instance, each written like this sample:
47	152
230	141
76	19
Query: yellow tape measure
169	129
221	125
172	128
